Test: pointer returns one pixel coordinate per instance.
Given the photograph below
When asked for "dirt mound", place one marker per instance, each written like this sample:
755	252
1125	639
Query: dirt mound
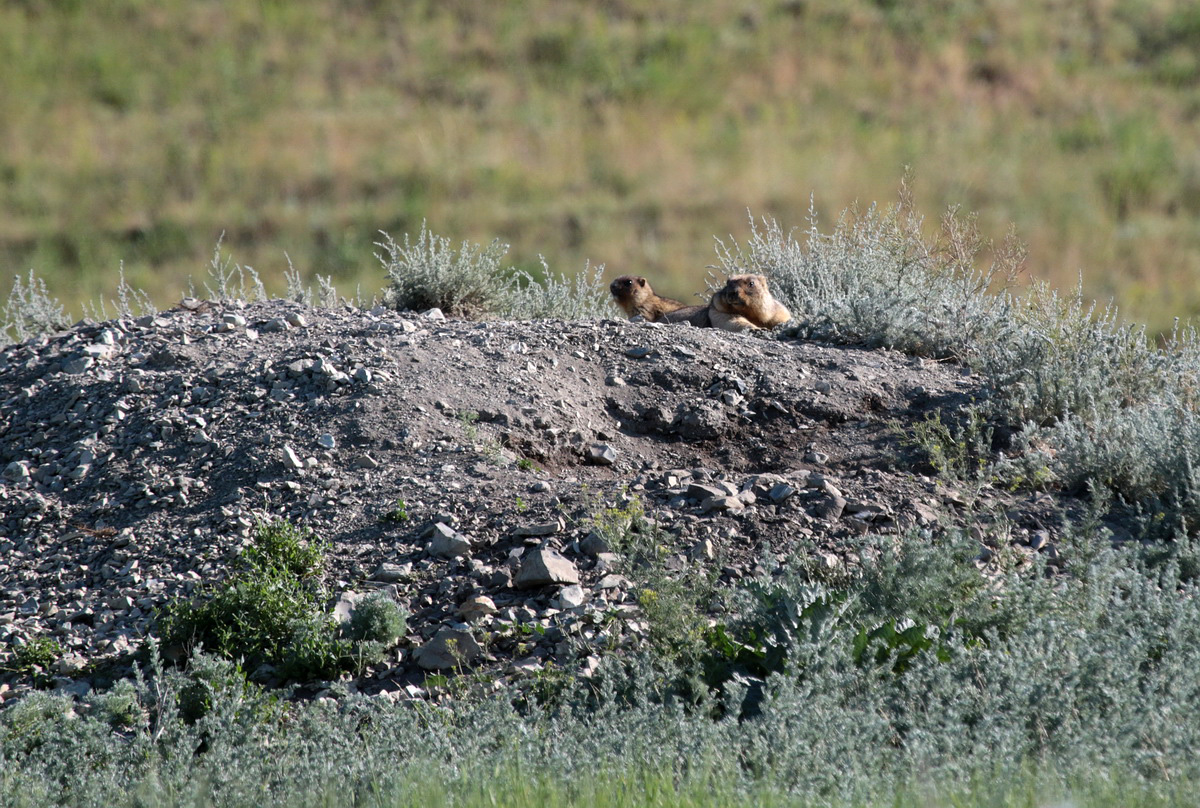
136	457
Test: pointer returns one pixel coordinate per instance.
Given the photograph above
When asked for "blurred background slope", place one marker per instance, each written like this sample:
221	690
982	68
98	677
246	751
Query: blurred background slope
620	131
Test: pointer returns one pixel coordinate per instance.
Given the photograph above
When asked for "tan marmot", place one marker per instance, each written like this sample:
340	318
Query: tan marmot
745	304
692	315
635	297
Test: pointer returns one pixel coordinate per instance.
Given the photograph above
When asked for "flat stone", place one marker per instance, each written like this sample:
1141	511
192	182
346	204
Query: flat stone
476	608
78	365
612	581
449	648
391	573
346	603
545	566
545	529
781	492
703	491
366	462
722	503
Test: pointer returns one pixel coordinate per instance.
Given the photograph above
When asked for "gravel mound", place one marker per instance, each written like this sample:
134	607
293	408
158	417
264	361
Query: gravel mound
136	457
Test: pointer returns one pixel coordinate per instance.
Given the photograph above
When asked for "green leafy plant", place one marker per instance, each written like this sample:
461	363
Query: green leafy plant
956	447
282	548
397	514
35	657
272	611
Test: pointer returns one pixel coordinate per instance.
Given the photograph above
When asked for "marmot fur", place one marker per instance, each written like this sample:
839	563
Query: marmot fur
745	304
635	297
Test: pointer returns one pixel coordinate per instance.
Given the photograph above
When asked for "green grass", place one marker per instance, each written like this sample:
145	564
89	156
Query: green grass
1040	690
625	134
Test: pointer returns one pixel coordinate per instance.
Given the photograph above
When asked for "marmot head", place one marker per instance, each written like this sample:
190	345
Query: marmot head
629	286
741	291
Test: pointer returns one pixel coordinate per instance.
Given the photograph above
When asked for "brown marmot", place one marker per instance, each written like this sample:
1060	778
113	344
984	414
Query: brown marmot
692	315
745	304
635	296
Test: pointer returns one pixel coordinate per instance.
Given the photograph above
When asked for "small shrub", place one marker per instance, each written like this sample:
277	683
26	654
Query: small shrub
34	721
430	273
558	297
959	449
473	282
313	649
282	547
229	279
30	310
208	681
121	706
377	618
272	611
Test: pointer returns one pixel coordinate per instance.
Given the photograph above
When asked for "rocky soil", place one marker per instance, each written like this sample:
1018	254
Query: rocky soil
136	456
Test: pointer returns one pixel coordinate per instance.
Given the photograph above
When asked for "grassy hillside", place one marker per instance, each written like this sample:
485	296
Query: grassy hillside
625	132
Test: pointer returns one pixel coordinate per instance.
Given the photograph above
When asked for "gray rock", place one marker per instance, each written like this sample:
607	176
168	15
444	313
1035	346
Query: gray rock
17	471
446	542
702	421
366	462
545	566
78	365
291	459
703	491
594	544
296	319
572	597
722	503
391	573
545	529
476	608
781	492
612	581
830	508
433	314
449	648
346	603
601	454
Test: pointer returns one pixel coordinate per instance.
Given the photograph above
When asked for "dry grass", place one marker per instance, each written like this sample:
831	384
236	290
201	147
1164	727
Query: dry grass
626	132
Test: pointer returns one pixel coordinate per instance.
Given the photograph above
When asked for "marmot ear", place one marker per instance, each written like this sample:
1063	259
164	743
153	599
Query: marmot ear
641	281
